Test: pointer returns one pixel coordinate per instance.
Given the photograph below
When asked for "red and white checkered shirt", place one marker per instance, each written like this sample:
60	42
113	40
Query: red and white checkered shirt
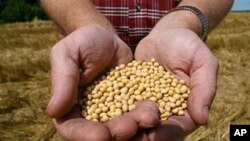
134	19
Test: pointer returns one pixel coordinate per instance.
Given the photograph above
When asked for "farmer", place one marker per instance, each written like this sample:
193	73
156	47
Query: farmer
104	33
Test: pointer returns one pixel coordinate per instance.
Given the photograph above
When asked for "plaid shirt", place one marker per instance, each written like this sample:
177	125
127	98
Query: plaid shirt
134	19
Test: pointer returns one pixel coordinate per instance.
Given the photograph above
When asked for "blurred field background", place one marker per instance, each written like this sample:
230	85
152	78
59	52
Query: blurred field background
25	85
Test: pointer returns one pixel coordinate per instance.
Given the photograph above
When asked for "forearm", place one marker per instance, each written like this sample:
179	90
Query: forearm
72	14
214	10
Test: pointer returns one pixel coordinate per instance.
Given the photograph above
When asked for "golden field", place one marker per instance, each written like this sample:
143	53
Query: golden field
25	85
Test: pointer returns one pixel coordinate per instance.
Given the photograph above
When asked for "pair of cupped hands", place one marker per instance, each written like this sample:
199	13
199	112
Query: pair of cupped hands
89	51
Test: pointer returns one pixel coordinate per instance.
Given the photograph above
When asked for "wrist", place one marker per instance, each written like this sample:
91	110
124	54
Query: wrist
179	19
79	22
84	13
100	22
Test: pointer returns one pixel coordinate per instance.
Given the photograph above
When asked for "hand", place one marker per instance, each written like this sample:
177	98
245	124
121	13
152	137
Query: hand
94	50
183	53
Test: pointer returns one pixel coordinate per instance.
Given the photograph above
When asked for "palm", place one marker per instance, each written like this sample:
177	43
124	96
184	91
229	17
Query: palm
175	54
185	55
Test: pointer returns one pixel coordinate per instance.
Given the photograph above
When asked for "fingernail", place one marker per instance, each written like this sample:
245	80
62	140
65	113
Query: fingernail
51	101
205	113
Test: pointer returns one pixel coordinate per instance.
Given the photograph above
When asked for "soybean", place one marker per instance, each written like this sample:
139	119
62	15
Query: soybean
117	92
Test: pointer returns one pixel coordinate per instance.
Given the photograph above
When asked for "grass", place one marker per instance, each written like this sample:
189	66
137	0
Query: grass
230	42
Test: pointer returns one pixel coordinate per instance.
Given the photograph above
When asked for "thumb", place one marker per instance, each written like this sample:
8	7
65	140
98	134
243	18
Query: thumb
65	79
146	114
203	86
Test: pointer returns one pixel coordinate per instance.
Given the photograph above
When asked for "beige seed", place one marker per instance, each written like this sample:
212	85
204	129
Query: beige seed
88	117
183	89
131	101
177	90
138	97
165	99
105	119
94	116
173	84
185	96
137	92
172	105
184	105
172	99
164	91
119	98
181	81
170	92
148	89
180	113
158	96
161	110
131	91
118	105
102	99
84	113
162	104
88	103
153	99
178	103
118	112
177	96
148	95
120	84
115	86
131	107
110	98
124	108
109	89
175	111
124	90
98	110
165	115
112	108
102	115
157	89
140	88
167	108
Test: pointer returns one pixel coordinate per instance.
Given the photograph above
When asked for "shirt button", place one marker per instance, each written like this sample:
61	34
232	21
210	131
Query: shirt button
138	7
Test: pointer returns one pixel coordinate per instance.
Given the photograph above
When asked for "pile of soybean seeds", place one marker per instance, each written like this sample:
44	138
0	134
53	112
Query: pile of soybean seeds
117	92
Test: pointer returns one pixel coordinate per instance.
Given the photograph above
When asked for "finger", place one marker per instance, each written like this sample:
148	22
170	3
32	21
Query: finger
145	115
173	129
74	128
124	54
64	78
122	128
145	50
203	83
140	136
98	49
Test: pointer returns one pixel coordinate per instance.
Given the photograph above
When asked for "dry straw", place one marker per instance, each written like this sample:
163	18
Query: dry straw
24	80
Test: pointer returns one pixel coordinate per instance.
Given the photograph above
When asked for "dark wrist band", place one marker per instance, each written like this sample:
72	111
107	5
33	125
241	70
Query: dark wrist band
199	14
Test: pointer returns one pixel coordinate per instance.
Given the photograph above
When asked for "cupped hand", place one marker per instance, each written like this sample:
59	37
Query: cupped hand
183	53
78	59
75	61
